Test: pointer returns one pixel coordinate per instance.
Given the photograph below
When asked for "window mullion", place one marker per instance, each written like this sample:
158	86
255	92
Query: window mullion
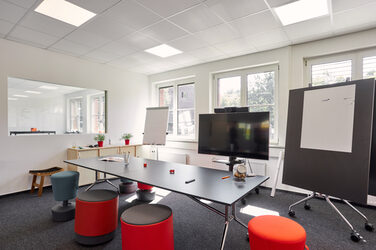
243	90
175	110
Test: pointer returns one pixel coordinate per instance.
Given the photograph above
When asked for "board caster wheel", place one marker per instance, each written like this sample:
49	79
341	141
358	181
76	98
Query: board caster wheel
355	237
307	207
247	237
369	227
292	213
243	201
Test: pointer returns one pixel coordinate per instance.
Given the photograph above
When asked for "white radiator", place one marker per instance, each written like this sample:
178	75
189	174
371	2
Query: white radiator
172	157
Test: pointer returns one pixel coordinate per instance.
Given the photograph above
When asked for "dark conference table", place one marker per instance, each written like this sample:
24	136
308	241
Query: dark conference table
208	183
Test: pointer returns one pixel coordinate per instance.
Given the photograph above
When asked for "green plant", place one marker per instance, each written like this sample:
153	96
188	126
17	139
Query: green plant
99	137
126	136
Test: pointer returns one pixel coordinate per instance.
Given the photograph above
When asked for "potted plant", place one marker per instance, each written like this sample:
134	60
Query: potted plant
126	137
99	138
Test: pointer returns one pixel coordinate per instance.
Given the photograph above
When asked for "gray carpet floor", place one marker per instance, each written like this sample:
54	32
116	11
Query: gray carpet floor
25	223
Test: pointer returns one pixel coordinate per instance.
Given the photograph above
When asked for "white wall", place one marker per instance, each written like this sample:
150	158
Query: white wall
127	99
290	60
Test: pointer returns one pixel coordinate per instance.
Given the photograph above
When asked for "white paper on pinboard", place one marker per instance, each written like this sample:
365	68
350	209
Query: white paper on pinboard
155	126
328	119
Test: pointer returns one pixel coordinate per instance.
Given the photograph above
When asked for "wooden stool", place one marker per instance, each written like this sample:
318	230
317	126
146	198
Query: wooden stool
42	173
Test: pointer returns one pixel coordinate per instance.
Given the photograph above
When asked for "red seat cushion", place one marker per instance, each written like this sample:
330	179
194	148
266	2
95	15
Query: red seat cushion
275	232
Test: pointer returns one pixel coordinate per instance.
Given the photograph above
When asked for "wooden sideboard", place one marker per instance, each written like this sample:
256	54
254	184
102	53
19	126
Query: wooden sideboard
87	176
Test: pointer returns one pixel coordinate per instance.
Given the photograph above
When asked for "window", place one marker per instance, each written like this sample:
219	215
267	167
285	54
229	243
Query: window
179	96
76	115
329	73
97	109
253	87
341	68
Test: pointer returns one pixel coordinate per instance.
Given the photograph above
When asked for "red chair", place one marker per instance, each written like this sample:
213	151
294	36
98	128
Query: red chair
145	192
96	216
147	227
270	232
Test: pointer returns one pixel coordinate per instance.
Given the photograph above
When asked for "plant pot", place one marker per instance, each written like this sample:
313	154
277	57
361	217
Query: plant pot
127	142
100	144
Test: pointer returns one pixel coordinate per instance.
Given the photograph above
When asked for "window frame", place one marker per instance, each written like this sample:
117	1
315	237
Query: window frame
175	83
243	73
69	113
90	114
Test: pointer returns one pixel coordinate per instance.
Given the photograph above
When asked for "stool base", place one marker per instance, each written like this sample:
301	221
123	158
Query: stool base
63	212
94	240
127	187
145	195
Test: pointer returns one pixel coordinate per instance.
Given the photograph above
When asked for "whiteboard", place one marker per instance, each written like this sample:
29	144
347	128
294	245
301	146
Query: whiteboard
328	119
155	126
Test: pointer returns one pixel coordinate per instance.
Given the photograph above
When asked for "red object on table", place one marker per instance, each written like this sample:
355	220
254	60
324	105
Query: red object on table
154	233
276	232
172	171
145	165
100	144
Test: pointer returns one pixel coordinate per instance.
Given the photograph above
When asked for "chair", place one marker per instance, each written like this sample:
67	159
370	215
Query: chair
96	216
42	173
147	226
145	192
276	233
127	186
64	187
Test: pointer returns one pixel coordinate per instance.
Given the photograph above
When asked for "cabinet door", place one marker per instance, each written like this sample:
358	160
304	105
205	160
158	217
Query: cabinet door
108	151
125	149
87	176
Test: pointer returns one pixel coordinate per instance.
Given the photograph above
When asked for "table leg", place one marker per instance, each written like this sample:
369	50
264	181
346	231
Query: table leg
227	221
233	208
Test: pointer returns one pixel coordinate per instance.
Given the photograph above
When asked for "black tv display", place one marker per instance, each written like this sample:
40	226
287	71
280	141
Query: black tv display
235	134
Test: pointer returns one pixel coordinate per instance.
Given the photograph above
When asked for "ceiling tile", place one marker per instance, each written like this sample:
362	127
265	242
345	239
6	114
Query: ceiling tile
255	23
108	27
229	10
218	34
356	19
29	36
86	38
207	53
5	27
118	49
132	15
311	29
96	6
139	41
187	43
23	3
164	31
134	60
341	5
276	3
45	24
69	47
270	37
10	12
100	56
236	47
196	19
174	6
184	59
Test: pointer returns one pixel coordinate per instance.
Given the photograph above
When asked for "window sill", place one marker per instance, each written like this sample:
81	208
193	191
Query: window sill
177	139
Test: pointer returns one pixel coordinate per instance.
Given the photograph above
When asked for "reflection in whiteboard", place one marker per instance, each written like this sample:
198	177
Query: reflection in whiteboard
328	119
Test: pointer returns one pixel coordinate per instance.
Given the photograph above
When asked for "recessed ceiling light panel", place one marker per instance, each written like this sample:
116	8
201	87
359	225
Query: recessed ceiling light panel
65	11
301	10
23	96
12	99
163	50
48	87
32	92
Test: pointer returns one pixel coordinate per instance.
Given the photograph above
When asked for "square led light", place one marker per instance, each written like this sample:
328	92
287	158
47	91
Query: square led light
32	92
48	87
65	11
301	10
163	51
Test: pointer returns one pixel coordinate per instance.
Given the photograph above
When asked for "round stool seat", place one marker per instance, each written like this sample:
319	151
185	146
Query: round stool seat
275	232
127	187
145	192
96	216
147	226
64	188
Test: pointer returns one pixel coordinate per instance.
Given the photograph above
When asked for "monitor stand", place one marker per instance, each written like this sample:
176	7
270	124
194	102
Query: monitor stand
230	162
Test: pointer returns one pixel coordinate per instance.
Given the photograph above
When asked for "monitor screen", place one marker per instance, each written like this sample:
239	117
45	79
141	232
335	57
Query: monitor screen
235	134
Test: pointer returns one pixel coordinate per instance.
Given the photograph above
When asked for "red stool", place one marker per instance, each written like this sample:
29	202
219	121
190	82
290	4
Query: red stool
147	227
270	232
96	216
145	192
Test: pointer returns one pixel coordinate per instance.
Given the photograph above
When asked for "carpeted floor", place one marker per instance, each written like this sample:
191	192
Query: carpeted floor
25	223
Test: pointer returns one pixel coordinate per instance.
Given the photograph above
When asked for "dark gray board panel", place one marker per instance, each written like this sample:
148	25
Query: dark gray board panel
208	183
339	174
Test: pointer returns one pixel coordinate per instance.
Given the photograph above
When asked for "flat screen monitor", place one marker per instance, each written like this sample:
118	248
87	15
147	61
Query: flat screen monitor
235	134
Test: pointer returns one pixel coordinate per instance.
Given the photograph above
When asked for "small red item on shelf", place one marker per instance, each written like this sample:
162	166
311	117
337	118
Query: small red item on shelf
145	165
